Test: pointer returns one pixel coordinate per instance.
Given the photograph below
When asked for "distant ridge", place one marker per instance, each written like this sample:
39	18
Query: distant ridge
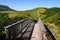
5	8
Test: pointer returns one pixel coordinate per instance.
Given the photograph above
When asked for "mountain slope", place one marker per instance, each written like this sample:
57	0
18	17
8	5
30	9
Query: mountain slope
5	8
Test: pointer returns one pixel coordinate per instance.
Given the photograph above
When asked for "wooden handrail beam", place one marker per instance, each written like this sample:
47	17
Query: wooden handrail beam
12	31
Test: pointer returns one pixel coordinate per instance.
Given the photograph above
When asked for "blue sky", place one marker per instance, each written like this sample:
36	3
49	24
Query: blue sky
30	4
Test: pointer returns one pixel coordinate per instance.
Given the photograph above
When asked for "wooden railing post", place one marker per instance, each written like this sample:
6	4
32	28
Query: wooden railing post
8	34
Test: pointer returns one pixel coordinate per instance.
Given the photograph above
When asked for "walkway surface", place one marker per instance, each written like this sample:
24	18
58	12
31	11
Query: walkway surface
36	33
39	31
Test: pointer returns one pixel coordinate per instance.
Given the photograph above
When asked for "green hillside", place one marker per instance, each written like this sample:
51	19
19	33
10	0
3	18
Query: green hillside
49	16
52	20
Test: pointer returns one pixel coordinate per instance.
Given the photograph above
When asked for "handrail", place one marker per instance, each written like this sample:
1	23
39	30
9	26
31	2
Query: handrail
49	33
16	23
12	31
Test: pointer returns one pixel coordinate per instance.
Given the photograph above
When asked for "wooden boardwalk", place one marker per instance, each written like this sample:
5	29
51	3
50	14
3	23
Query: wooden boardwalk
36	33
25	30
39	31
33	32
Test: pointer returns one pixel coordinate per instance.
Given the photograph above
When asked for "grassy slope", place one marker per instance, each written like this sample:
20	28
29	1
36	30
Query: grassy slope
53	21
48	16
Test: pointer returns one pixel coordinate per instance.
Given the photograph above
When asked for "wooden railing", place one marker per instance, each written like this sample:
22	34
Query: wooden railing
12	31
49	34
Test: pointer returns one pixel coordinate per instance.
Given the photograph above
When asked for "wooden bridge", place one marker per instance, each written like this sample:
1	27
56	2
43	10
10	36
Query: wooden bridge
26	30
